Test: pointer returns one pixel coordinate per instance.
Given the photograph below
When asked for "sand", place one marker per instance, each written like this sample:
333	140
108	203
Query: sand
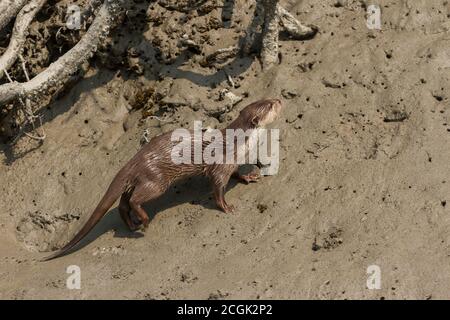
363	179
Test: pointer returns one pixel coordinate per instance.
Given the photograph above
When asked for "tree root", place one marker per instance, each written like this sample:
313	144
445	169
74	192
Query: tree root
19	34
274	18
9	9
219	57
293	27
269	49
59	72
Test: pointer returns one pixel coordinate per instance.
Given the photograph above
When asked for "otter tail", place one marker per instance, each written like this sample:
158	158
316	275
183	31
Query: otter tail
116	188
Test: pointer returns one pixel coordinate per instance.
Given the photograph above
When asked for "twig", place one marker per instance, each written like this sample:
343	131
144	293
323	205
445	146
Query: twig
39	137
159	119
230	80
7	75
30	116
24	67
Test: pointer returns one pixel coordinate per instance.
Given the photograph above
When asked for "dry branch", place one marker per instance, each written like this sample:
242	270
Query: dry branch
59	72
9	9
19	34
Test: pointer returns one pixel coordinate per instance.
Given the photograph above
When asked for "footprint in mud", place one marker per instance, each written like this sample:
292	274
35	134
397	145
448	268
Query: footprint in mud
40	231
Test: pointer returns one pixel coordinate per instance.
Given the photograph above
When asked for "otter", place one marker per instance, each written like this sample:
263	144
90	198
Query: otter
152	171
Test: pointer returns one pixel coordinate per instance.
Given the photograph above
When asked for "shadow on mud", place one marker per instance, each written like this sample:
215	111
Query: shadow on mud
194	190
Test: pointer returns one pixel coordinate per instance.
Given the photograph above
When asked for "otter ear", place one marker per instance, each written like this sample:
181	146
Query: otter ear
255	121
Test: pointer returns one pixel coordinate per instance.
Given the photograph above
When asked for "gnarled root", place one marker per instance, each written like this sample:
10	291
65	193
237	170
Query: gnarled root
19	34
293	27
9	9
59	72
219	57
274	18
269	49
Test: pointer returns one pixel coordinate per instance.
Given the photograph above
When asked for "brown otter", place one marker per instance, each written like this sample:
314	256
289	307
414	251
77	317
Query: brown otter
152	171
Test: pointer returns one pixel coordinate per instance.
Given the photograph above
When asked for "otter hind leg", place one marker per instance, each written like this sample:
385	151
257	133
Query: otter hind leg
144	193
125	212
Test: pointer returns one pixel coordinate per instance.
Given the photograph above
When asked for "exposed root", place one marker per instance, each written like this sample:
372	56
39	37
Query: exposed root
187	6
24	68
19	34
59	72
273	18
9	9
255	26
30	117
293	27
269	49
220	56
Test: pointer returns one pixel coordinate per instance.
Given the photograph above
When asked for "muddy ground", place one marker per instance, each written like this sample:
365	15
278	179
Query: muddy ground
363	179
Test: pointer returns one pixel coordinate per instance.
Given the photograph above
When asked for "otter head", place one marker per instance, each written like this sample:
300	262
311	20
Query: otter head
262	112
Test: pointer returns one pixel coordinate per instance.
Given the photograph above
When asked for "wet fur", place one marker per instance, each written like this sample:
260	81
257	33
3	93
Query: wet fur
151	172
